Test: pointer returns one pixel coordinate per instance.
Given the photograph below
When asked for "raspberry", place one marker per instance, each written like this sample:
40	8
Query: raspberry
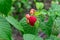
27	16
32	20
32	11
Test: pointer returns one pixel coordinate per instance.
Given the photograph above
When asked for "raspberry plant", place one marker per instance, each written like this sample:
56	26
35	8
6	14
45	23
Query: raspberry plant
39	24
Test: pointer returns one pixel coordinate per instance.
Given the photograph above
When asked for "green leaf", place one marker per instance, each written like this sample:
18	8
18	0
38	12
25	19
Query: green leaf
55	9
37	24
5	6
39	5
46	24
27	27
56	27
5	30
52	37
37	13
14	22
31	37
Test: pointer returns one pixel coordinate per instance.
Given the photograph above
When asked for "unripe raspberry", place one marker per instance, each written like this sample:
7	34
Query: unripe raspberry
32	20
32	11
27	16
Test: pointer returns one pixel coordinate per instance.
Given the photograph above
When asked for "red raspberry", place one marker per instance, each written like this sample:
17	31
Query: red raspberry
32	20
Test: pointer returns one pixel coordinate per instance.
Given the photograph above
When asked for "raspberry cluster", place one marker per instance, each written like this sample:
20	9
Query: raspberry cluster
31	19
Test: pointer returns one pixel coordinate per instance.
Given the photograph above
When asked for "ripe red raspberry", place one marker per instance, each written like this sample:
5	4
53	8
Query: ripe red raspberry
27	16
32	20
32	11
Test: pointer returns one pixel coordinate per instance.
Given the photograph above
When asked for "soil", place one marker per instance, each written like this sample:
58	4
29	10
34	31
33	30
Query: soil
16	34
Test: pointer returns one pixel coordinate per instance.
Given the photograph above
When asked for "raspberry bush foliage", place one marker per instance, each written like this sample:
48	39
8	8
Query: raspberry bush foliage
38	24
